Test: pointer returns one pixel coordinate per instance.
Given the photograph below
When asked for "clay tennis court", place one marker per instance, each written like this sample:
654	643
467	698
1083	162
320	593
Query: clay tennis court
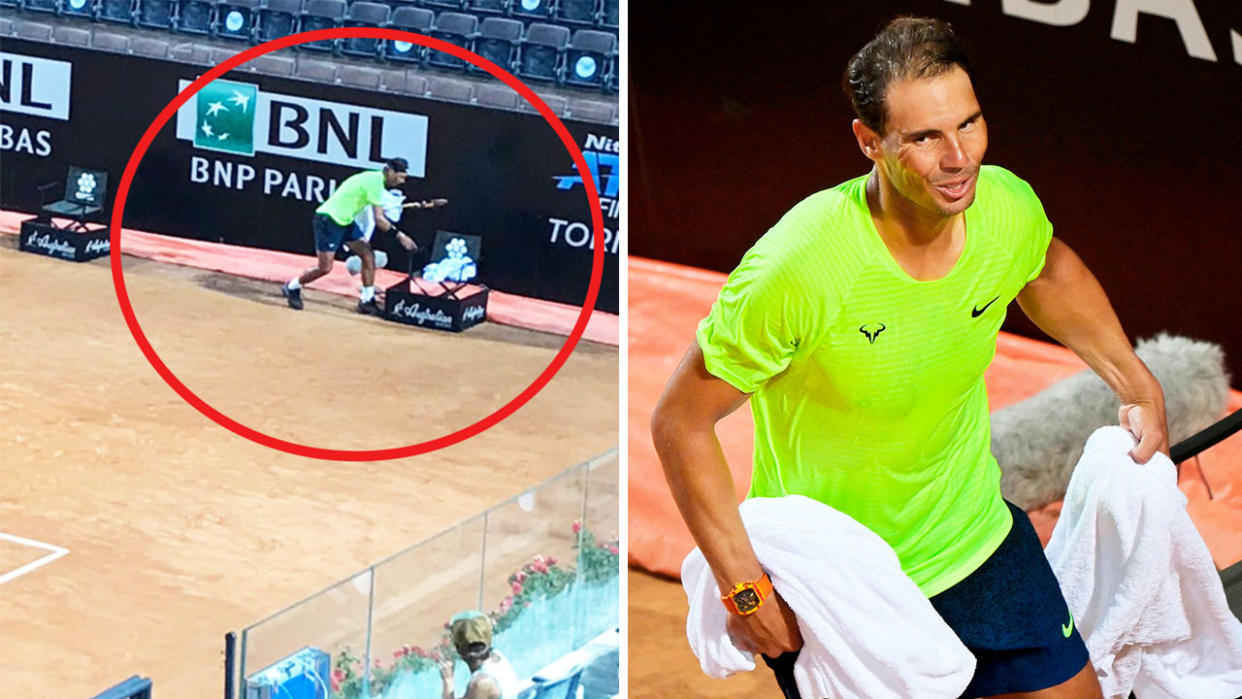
177	530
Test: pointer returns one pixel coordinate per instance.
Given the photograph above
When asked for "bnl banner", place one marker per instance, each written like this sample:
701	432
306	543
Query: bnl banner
250	157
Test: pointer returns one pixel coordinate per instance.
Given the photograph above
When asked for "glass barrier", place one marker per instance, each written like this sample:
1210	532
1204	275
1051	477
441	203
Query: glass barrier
544	566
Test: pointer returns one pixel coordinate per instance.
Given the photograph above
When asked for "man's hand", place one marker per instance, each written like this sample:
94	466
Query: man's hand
772	630
406	242
1146	421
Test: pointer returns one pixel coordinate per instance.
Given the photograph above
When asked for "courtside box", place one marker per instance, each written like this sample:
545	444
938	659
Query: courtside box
74	245
431	305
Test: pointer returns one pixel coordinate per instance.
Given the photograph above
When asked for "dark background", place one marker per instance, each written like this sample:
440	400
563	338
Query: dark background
736	113
497	168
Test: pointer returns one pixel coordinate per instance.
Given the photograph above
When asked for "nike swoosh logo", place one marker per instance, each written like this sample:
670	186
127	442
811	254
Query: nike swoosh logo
976	312
1067	630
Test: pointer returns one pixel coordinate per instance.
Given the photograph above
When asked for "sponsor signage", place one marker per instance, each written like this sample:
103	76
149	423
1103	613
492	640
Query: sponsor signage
74	246
436	312
35	86
603	156
1182	14
241	119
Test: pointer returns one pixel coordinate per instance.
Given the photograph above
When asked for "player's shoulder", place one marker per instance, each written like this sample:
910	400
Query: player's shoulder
999	184
821	218
823	230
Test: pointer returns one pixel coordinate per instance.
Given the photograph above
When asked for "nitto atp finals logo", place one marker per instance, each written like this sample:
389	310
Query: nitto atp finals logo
225	117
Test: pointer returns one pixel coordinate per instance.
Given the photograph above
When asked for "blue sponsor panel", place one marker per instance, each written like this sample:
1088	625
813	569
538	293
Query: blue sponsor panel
304	675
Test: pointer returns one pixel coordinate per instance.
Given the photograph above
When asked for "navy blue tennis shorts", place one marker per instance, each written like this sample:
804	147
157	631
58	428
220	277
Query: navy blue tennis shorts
329	234
1012	616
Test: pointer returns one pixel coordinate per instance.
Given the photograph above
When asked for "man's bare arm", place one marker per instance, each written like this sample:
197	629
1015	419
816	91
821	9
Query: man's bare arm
683	429
1067	302
382	222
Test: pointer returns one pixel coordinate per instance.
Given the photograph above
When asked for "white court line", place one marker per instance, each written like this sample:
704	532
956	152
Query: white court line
56	552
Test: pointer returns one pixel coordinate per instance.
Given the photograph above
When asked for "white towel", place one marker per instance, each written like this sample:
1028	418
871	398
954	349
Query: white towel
868	630
1140	581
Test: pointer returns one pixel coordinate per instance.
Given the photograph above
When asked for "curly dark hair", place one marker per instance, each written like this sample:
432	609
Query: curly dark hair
907	47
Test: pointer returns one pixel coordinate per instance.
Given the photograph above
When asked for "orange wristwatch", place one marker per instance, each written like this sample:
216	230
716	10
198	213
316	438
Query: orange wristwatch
746	597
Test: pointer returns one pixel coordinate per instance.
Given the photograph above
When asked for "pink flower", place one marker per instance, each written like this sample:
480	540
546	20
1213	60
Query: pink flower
540	567
612	548
520	577
577	526
506	604
517	588
338	675
551	560
418	650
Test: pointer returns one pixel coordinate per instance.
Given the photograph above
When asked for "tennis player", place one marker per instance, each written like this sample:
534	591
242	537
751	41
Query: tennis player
859	329
334	225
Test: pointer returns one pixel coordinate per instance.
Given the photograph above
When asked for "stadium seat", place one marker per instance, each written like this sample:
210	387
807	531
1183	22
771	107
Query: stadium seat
73	36
157	14
449	89
579	12
319	71
122	11
458	29
610	18
235	19
36	31
196	16
321	14
589	58
154	47
489	7
413	19
498	42
501	96
77	8
543	53
365	14
558	104
532	9
359	76
599	112
278	18
51	7
447	5
14	4
107	41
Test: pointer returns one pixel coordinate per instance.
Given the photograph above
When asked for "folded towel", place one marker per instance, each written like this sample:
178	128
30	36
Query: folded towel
1139	580
868	630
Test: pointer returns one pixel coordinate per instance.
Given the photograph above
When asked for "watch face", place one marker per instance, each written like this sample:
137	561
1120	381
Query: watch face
746	601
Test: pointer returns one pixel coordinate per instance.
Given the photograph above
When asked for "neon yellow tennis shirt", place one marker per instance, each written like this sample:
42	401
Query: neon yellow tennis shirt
353	195
868	391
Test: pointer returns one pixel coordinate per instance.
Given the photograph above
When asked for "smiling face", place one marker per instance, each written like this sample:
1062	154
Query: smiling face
933	145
